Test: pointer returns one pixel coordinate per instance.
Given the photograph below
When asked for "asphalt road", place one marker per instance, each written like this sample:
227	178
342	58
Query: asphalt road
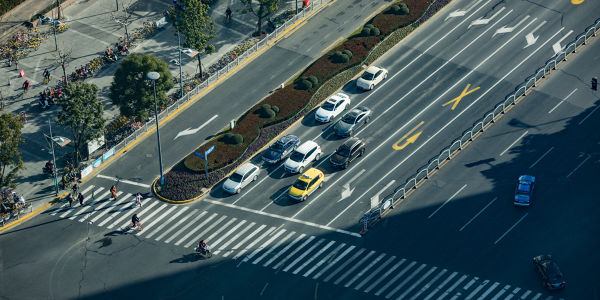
267	247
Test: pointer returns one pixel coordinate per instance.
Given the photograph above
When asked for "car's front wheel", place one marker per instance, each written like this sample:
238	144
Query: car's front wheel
300	169
318	156
255	177
361	152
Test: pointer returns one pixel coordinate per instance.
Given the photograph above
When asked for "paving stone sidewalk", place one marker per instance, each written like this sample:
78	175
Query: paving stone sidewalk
91	31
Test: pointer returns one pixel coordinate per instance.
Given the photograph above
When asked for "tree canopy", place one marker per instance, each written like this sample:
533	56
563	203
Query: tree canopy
132	92
261	10
10	157
81	113
192	20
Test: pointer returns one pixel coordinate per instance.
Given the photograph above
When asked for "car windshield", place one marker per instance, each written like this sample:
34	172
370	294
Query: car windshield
236	177
344	151
297	156
368	76
301	185
328	106
524	188
349	118
277	147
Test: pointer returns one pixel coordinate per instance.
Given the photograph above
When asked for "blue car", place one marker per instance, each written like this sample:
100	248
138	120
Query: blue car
281	149
524	190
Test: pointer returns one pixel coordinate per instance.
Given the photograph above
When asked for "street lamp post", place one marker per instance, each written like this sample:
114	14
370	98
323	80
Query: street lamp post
53	159
180	78
154	76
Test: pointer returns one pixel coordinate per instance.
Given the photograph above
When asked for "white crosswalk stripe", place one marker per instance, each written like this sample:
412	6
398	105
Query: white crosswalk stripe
321	259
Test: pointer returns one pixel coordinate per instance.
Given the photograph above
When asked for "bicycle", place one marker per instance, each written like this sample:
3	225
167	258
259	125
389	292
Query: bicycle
47	79
138	226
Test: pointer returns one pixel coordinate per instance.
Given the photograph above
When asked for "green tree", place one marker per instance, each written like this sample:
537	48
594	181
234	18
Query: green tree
82	114
196	27
262	9
10	157
132	92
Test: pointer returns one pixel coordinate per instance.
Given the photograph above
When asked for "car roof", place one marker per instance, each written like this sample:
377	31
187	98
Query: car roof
349	143
245	168
310	174
373	69
306	146
287	138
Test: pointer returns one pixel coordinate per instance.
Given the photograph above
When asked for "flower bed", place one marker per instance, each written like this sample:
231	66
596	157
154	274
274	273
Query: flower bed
187	179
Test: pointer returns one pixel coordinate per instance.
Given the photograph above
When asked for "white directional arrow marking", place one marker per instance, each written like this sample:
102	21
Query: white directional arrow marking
375	199
486	21
532	39
347	191
505	29
195	130
461	12
557	47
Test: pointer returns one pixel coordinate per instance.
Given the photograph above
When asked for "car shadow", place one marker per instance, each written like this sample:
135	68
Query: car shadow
309	119
280	197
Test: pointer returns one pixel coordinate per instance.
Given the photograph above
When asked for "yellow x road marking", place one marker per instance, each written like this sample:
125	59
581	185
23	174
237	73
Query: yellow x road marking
457	99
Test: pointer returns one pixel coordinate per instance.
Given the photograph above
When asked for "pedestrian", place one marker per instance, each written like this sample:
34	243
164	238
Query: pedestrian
80	198
138	199
113	192
75	185
70	200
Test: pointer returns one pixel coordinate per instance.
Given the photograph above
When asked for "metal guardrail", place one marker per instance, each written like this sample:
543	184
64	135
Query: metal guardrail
388	202
265	42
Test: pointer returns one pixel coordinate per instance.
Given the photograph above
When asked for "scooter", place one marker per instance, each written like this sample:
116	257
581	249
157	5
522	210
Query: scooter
205	253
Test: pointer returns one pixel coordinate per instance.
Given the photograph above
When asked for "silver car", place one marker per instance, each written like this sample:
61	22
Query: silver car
352	121
240	178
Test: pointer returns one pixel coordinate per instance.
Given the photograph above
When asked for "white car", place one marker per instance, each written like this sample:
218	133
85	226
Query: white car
240	178
308	152
332	107
371	77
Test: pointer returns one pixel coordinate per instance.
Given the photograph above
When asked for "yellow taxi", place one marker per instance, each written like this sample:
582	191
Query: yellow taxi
306	184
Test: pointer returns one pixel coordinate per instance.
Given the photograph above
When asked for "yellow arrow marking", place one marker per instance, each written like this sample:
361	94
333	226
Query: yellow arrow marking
410	140
577	2
457	99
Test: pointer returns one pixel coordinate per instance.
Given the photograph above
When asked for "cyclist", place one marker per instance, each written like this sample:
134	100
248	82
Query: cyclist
203	248
46	75
25	86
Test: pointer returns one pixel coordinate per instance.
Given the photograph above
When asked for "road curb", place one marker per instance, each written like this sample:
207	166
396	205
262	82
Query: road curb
26	217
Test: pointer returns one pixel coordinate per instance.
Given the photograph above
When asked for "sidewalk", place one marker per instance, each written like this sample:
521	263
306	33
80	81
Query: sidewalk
91	31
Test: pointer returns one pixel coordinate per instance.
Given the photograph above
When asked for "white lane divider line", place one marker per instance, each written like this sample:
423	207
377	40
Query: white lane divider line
299	258
276	246
563	100
347	262
400	274
313	257
541	157
264	245
476	215
202	233
196	228
441	286
385	275
334	262
482	21
586	117
372	275
173	217
234	238
106	210
375	198
364	270
282	251
124	181
511	228
324	259
188	224
445	202
516	141
579	166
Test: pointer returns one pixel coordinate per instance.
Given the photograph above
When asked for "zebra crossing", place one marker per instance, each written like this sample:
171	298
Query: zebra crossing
246	242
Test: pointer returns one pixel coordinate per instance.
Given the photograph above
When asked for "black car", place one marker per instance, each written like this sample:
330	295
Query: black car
281	148
347	152
550	272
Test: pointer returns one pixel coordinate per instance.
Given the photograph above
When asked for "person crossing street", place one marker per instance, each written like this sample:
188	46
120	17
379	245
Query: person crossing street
113	192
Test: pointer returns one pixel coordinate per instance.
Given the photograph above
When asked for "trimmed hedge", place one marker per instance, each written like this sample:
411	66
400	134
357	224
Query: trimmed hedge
7	5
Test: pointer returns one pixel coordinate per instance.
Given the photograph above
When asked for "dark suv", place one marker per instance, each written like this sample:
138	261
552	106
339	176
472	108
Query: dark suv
281	149
548	269
347	152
